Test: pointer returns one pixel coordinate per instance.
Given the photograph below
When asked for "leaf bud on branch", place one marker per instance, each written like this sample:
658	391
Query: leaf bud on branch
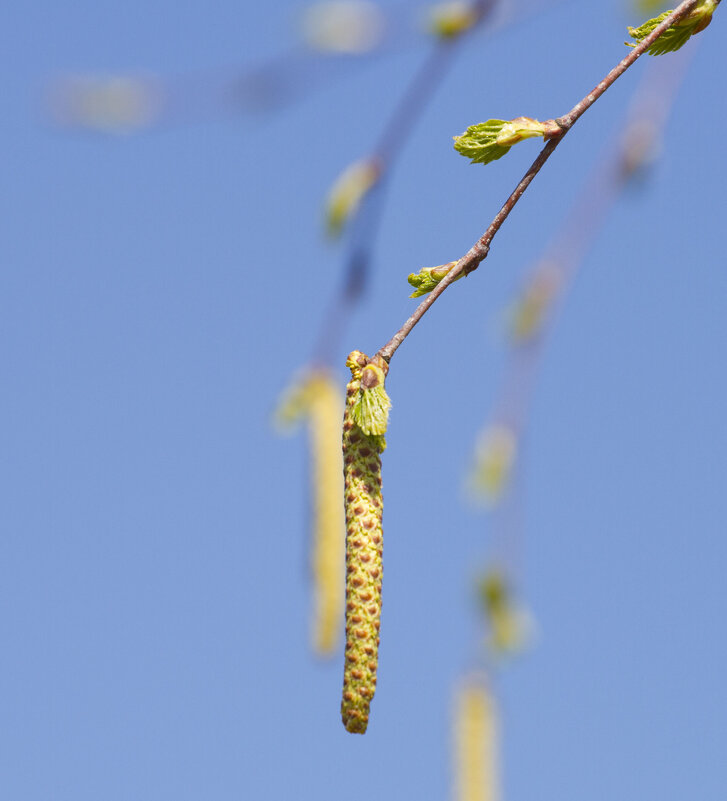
491	140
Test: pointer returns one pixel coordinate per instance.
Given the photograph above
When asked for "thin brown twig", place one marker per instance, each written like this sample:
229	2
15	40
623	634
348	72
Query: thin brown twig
478	252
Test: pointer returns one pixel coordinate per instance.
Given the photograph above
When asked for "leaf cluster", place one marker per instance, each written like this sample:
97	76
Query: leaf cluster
677	35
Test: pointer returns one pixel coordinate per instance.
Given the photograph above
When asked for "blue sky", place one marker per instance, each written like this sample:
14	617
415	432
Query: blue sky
158	290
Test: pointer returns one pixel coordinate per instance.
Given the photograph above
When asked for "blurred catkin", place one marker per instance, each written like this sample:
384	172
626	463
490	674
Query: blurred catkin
452	18
328	527
530	311
347	193
317	399
494	459
364	544
509	624
475	743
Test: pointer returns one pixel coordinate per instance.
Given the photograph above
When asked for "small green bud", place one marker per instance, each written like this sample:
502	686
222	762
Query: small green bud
491	140
677	35
428	277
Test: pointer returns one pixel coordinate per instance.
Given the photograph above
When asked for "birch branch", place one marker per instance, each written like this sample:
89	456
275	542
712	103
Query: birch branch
478	252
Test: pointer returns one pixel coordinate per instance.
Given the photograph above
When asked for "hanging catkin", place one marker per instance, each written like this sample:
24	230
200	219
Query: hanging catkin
475	746
364	423
327	528
316	398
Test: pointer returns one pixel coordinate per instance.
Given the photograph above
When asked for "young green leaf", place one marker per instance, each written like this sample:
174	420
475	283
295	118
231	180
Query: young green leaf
479	142
491	140
371	410
677	35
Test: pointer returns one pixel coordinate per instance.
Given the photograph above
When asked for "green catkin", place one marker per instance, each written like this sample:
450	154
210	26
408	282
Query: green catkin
364	541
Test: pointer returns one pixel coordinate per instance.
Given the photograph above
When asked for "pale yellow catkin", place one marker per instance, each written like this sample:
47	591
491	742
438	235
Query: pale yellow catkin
316	399
328	518
475	743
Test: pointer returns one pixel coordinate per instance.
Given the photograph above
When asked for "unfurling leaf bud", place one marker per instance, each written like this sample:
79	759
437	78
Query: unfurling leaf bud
525	128
491	140
677	35
428	277
364	534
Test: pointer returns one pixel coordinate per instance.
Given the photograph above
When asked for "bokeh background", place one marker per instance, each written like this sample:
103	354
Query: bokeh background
160	285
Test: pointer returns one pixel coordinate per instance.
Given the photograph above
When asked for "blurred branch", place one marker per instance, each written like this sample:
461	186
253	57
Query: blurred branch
533	313
397	131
